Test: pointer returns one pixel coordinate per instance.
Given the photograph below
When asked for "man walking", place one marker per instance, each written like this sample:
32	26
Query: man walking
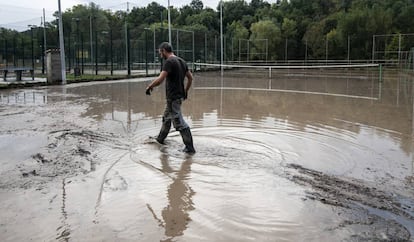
174	72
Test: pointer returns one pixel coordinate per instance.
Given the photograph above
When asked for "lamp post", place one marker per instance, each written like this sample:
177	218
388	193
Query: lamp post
32	44
112	61
221	36
128	52
62	46
169	23
127	49
44	42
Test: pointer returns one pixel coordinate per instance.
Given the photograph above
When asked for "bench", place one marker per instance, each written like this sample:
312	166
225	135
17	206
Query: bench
18	70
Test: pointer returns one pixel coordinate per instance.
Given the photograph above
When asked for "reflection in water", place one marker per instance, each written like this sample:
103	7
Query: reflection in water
175	214
25	97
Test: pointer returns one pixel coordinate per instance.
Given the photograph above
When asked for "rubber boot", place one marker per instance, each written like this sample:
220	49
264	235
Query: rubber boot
165	129
188	141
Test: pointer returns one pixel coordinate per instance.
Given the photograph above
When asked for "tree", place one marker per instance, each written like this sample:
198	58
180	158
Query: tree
289	32
265	30
404	21
197	6
185	12
237	34
206	18
391	49
336	44
237	31
289	28
298	21
258	4
235	10
315	40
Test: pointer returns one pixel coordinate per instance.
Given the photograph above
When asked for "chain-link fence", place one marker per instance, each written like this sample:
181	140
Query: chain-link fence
128	50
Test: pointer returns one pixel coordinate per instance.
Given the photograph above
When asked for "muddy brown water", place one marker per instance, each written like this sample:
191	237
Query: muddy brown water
292	158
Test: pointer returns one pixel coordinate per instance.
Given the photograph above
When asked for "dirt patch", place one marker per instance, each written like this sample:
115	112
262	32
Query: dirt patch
69	145
352	194
69	153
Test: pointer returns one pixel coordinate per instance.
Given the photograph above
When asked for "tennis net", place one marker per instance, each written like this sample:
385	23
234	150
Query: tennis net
362	71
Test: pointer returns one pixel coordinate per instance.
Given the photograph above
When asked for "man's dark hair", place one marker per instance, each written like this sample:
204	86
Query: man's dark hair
166	46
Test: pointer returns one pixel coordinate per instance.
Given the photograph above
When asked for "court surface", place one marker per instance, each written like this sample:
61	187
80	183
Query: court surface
300	156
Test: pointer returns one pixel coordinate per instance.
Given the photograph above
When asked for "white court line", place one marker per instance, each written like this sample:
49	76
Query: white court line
287	91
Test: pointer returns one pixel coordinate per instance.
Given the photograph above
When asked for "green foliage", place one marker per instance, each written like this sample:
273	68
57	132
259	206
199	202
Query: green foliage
299	23
237	31
236	10
315	40
197	6
289	28
265	30
207	18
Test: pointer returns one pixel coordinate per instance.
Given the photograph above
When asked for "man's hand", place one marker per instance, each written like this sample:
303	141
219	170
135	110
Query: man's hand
148	91
185	95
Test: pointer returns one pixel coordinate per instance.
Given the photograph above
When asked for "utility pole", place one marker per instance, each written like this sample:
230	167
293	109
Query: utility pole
126	40
62	46
31	34
44	42
169	23
221	36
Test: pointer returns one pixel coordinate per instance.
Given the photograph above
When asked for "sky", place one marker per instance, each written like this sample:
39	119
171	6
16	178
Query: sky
18	14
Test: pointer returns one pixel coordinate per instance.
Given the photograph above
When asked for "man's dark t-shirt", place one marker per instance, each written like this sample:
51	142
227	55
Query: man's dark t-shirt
176	69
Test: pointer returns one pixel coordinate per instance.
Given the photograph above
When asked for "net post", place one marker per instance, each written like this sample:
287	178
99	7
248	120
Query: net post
270	72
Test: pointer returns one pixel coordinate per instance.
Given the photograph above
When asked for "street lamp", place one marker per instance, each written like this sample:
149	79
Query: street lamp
221	37
62	46
44	42
169	23
31	34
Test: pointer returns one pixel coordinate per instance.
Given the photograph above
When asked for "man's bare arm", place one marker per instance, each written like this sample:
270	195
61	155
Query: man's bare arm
189	76
157	81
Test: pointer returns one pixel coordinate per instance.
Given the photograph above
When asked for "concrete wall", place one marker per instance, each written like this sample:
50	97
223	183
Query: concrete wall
54	73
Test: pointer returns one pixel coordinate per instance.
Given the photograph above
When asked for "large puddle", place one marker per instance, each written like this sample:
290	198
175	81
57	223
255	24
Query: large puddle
293	158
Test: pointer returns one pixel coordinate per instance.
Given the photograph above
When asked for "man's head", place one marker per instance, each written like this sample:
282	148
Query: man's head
165	50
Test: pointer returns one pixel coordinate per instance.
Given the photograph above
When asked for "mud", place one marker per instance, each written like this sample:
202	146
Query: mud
353	194
287	159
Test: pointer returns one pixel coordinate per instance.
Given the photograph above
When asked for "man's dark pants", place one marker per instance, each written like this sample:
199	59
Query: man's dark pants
172	114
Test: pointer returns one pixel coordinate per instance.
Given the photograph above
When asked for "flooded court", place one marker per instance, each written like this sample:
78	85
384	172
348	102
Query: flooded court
296	157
